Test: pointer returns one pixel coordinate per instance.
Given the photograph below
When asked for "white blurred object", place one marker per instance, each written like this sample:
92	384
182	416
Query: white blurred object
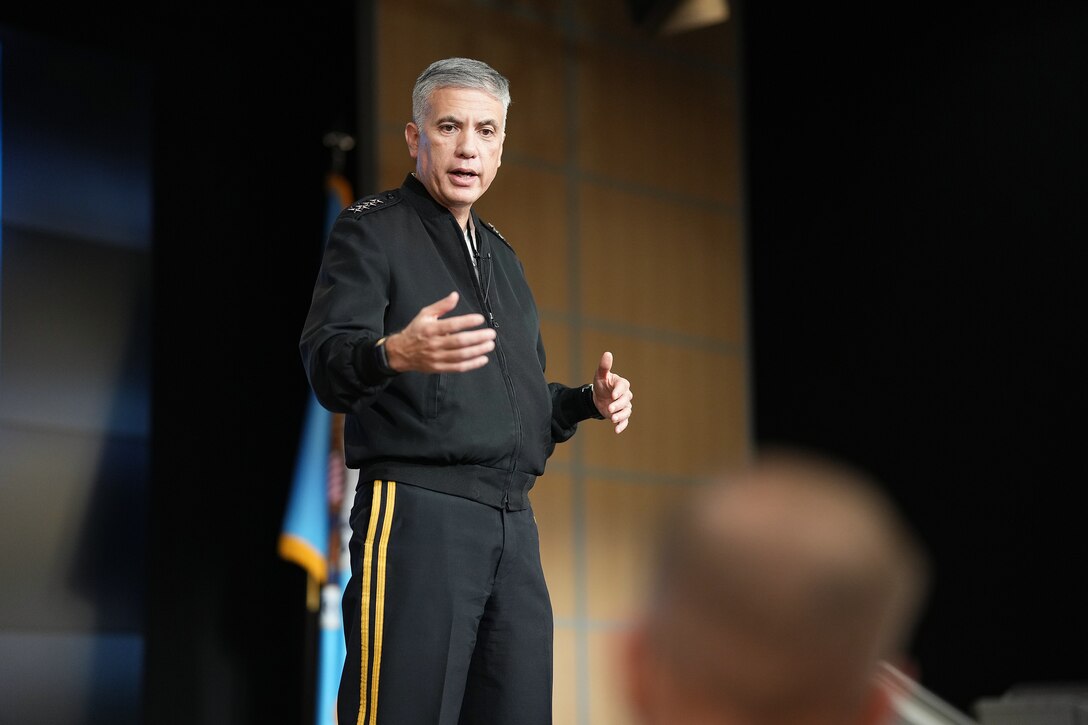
694	14
1037	705
914	704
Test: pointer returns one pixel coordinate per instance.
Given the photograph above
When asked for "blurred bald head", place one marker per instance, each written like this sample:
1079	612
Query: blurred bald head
779	589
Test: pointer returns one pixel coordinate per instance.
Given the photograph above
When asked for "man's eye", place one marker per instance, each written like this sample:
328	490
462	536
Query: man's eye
447	127
487	132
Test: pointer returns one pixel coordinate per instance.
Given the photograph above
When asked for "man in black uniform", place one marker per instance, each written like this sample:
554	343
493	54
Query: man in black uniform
423	331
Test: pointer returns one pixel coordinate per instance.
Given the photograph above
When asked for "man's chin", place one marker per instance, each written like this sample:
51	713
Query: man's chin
462	196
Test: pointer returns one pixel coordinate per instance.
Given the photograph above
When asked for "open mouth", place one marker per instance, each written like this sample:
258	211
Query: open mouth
464	174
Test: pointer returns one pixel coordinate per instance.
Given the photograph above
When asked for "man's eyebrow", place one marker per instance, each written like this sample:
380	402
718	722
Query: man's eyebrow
457	121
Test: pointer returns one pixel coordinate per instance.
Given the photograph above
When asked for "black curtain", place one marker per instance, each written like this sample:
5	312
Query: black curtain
915	180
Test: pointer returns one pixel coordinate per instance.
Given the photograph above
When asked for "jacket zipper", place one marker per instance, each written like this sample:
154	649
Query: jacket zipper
485	305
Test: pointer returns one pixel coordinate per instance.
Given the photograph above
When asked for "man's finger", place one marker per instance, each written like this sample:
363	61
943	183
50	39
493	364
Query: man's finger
465	348
620	414
451	325
620	387
604	367
461	366
621	402
442	306
467	339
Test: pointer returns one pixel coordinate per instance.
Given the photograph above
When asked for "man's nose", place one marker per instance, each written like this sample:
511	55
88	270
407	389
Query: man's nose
466	145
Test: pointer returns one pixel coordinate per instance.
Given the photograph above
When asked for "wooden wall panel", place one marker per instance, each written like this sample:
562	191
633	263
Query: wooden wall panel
690	408
553	505
566	674
528	205
624	521
394	163
414	33
656	123
608	703
655	262
557	335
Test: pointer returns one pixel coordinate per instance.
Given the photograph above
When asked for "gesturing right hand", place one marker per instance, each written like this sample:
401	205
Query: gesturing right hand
431	345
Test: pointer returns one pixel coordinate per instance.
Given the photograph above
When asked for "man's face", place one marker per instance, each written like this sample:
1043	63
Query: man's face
459	147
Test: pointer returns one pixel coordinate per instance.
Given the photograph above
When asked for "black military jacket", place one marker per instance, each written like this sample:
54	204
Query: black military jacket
484	434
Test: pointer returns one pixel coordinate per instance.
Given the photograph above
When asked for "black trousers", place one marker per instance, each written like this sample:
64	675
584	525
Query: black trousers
447	616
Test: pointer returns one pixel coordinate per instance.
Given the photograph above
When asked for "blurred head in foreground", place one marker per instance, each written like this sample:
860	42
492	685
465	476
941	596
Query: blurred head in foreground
778	591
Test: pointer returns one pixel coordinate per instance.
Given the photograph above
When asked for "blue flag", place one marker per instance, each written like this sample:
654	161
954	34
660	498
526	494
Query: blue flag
304	538
315	530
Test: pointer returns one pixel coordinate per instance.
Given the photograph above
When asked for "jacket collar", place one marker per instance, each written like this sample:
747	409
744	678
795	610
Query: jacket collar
421	199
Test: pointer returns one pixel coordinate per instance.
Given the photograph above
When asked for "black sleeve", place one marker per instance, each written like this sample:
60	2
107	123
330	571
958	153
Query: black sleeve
346	318
570	406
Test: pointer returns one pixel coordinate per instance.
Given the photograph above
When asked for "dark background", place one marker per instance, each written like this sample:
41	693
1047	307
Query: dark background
914	184
242	97
916	179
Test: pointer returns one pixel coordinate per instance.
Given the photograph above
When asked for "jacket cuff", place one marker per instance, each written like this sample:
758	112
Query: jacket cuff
587	396
371	364
576	404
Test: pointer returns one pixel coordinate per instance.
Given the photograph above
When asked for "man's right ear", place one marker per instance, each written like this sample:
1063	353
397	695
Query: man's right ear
411	136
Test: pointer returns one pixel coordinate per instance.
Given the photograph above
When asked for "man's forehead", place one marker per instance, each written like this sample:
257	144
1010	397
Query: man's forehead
465	90
462	96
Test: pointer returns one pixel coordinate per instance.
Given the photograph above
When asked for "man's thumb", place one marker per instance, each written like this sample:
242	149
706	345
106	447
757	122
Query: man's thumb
443	305
605	366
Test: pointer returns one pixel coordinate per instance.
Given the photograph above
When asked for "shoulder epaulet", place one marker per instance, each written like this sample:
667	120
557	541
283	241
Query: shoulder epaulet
498	234
373	203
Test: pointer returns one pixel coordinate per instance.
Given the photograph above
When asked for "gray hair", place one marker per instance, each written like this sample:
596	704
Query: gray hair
458	73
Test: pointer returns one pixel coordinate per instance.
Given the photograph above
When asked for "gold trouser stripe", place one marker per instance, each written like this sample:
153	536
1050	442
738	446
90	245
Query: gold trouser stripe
379	602
379	598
